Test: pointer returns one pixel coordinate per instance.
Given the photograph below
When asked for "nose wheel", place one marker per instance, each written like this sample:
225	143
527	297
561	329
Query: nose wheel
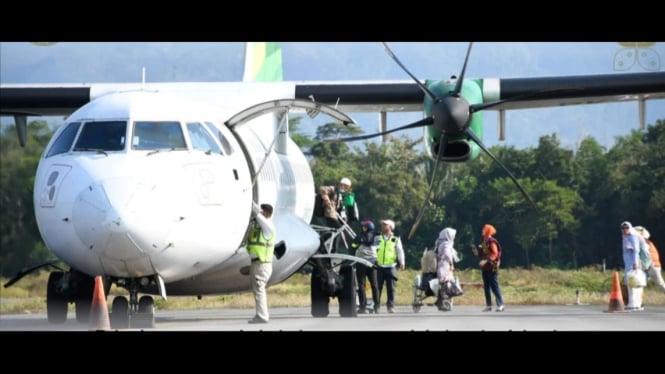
133	314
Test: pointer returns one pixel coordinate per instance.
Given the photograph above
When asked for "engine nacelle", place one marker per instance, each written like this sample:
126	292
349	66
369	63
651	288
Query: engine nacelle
457	150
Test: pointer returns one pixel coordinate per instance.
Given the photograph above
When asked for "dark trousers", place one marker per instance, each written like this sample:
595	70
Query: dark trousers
491	284
385	275
367	273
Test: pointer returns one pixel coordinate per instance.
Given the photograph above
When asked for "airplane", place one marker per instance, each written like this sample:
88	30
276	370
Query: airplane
151	185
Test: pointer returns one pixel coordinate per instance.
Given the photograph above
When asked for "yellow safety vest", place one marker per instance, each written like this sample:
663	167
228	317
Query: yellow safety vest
258	245
387	252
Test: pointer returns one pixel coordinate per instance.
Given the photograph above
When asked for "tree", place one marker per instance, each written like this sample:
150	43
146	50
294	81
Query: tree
592	172
552	162
301	139
391	182
20	241
554	214
653	175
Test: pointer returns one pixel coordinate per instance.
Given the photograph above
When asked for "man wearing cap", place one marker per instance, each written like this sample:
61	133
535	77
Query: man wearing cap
654	268
260	246
347	207
389	253
632	244
335	206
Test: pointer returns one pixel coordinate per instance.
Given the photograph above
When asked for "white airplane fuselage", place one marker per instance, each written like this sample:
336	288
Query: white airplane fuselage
140	184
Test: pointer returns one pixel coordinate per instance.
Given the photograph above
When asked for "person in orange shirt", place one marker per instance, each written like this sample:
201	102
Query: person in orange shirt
654	269
490	259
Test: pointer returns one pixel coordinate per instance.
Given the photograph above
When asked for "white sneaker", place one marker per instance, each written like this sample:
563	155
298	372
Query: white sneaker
487	309
500	308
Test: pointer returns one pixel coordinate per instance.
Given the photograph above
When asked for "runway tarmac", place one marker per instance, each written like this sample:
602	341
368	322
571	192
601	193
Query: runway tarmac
541	318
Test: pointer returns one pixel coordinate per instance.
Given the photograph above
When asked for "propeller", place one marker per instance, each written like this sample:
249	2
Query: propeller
451	116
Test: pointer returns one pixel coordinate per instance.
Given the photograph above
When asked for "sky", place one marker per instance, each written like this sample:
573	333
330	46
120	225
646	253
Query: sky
91	62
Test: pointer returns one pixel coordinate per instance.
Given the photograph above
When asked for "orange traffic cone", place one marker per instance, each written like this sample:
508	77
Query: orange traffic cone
99	312
616	298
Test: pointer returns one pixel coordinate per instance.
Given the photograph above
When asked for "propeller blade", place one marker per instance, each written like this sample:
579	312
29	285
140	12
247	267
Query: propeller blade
473	136
442	146
422	86
460	80
478	107
420	123
23	272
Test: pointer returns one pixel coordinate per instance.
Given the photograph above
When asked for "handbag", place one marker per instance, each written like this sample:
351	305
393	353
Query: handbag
453	288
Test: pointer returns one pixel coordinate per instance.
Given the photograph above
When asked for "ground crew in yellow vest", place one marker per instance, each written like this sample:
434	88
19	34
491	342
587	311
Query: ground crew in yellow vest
389	253
261	245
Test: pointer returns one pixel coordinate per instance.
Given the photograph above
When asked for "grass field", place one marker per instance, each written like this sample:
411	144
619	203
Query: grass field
537	286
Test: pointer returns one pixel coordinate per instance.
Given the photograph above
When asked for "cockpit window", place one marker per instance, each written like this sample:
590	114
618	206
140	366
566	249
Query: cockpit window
65	140
157	135
102	135
201	139
226	146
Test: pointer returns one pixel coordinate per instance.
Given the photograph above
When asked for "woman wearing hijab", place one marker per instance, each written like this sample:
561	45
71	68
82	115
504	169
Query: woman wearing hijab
654	269
446	256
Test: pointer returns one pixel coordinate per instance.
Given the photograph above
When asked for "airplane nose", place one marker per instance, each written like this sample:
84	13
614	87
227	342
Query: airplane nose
89	214
112	220
111	226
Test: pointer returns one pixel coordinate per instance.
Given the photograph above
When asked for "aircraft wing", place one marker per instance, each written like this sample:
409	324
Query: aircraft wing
552	91
350	96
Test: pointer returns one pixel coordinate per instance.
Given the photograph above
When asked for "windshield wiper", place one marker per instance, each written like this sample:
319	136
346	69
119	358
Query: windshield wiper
97	150
159	150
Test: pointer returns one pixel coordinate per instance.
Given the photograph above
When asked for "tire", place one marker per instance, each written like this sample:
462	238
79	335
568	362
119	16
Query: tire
120	313
145	318
416	293
319	297
417	299
146	304
85	288
82	309
347	295
56	303
447	305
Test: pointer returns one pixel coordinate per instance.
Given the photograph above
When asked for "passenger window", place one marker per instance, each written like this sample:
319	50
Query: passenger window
65	140
157	135
226	146
201	139
104	135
